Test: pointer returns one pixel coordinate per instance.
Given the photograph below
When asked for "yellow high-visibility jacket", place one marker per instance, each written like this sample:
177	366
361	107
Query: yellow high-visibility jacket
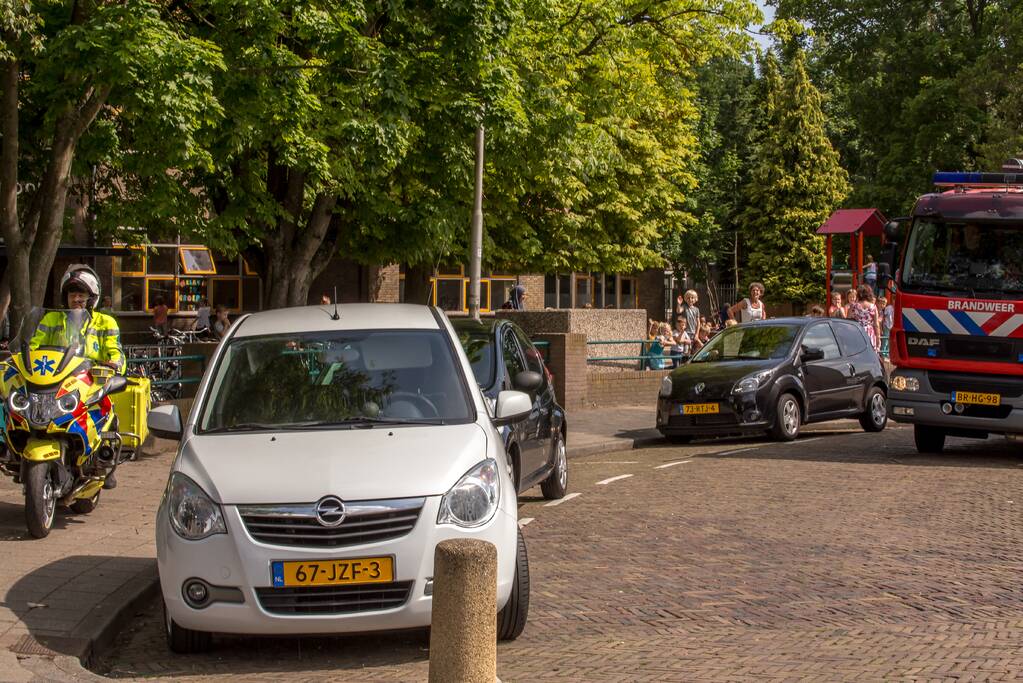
102	337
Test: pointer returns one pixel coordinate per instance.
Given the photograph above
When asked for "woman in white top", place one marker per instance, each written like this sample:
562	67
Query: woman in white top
752	308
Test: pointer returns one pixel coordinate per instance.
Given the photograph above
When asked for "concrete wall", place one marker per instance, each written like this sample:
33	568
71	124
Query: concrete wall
636	387
595	325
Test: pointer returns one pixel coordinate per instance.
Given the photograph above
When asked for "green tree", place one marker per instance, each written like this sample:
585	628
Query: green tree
88	85
348	128
726	100
915	87
795	185
602	167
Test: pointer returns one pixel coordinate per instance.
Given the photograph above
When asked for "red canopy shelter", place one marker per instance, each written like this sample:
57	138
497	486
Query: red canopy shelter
857	223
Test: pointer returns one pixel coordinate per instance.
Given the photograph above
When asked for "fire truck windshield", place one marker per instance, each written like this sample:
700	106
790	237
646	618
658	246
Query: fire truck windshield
977	259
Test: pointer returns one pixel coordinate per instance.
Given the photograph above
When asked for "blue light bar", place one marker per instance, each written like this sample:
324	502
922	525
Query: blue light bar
971	178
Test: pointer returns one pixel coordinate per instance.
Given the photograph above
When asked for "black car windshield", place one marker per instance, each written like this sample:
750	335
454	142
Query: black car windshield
964	258
324	379
478	343
754	342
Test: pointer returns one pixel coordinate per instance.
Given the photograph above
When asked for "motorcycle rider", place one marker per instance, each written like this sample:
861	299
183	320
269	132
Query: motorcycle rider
80	289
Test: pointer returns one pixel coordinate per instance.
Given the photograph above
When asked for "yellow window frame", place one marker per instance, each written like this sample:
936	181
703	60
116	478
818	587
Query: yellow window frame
226	278
126	273
247	269
484	298
163	278
451	278
184	268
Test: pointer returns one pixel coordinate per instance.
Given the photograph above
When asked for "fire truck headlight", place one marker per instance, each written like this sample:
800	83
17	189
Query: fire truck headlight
903	383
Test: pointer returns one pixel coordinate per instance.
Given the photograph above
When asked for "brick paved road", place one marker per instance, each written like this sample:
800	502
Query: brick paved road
837	557
51	588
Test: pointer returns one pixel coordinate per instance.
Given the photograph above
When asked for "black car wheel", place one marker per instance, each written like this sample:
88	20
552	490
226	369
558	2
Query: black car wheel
875	417
787	418
185	641
556	484
928	439
511	620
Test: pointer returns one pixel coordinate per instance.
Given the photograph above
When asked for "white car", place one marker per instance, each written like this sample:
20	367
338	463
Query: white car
326	455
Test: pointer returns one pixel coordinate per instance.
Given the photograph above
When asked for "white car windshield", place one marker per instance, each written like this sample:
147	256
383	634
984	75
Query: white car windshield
328	379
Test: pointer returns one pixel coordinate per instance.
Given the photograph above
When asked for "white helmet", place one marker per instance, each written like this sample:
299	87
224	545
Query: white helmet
85	278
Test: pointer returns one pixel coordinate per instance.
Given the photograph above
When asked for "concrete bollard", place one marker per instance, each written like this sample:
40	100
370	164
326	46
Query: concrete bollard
463	635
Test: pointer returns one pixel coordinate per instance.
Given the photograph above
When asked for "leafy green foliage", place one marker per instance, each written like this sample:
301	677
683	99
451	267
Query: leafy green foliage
915	87
795	185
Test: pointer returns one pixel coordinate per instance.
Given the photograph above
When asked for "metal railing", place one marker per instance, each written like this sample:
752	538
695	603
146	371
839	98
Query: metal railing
643	357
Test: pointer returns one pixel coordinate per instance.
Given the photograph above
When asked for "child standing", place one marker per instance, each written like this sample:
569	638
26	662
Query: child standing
887	322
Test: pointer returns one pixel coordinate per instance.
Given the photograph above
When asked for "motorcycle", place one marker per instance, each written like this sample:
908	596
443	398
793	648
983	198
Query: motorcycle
61	428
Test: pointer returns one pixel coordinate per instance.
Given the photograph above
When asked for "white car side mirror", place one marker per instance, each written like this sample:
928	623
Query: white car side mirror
165	422
512	407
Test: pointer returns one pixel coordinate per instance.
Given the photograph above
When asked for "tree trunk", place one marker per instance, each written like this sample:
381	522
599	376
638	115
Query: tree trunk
294	257
16	276
418	289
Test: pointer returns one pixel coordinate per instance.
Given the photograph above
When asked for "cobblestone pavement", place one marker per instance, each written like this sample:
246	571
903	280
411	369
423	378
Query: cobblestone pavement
844	556
55	589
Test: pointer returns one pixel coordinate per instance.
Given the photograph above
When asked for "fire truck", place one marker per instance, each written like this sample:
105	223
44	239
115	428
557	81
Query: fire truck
957	339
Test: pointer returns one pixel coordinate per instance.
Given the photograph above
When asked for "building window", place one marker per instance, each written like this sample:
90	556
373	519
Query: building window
628	292
564	291
550	291
226	292
610	291
583	290
191	292
197	261
500	292
162	261
129	293
225	264
251	294
447	294
161	289
484	296
133	263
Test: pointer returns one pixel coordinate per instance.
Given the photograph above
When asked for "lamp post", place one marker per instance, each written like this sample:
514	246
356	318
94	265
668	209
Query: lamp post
476	241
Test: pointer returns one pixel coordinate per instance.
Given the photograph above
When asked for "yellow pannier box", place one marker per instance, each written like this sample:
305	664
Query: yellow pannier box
132	408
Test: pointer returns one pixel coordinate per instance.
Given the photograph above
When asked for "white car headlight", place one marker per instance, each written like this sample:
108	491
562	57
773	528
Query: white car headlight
752	383
18	402
193	514
473	500
903	383
666	387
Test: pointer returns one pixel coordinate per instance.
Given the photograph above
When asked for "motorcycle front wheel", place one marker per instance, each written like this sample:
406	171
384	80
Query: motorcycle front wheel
40	499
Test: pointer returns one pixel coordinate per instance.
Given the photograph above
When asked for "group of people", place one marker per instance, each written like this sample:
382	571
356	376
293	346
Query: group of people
875	313
669	345
215	329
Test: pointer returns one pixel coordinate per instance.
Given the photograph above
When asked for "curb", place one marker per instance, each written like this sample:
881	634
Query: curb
111	615
612	445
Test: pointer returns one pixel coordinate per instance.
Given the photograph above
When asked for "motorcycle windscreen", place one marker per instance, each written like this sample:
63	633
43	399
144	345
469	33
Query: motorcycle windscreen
51	339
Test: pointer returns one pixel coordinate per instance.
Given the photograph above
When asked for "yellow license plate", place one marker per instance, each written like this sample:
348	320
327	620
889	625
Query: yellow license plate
977	399
699	408
332	572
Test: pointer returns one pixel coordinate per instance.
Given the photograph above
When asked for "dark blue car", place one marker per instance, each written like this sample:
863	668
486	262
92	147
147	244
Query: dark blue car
503	357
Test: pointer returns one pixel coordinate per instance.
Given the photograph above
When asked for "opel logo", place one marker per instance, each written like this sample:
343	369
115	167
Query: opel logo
699	388
330	511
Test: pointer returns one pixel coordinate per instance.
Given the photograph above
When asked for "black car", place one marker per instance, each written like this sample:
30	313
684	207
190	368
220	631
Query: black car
502	357
775	376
